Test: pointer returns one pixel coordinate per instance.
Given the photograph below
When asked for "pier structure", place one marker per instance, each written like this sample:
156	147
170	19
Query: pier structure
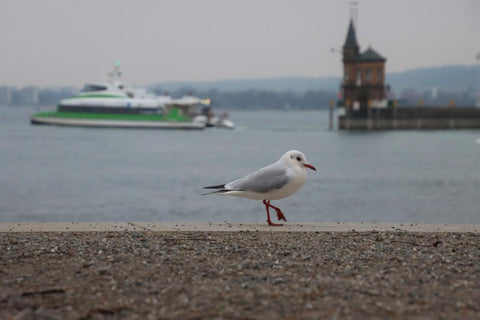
365	97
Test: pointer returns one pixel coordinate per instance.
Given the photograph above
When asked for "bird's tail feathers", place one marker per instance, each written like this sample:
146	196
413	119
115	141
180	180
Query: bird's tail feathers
218	186
221	188
215	192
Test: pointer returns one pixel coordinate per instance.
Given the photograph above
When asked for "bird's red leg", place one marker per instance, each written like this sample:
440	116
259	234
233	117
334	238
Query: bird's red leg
280	214
270	223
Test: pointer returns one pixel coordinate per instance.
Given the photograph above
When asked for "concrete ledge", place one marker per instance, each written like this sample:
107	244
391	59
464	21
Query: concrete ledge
234	226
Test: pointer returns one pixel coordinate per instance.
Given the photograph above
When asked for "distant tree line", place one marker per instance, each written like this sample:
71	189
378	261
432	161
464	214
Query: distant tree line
34	96
259	99
440	97
245	99
250	99
319	99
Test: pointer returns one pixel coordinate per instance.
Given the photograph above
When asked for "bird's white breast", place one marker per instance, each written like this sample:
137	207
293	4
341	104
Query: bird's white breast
297	176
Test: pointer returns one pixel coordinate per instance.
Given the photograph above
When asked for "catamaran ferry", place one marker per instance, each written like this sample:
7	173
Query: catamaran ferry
111	104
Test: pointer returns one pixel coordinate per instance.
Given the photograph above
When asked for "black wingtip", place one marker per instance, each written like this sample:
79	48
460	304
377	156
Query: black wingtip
215	192
220	186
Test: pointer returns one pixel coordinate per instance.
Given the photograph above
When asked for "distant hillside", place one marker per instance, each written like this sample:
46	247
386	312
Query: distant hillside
446	77
298	84
452	83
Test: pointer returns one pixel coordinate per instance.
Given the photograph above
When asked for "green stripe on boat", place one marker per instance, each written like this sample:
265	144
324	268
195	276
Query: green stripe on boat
173	116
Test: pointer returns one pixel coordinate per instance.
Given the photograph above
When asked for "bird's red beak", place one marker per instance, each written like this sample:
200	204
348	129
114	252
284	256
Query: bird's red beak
309	166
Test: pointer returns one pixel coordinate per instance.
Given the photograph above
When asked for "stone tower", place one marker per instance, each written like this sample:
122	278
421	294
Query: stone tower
363	74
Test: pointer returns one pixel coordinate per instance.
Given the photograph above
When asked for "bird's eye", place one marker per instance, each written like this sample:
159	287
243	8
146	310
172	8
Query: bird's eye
299	159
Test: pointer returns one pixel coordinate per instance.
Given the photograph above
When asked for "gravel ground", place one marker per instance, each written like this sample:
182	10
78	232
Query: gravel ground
239	275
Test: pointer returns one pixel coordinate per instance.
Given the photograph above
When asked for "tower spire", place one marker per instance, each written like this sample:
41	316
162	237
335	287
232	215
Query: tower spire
351	40
351	48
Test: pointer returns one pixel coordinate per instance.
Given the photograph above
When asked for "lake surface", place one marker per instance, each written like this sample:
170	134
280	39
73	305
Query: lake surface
84	174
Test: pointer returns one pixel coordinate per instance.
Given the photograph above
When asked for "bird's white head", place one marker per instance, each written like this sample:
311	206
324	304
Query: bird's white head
297	158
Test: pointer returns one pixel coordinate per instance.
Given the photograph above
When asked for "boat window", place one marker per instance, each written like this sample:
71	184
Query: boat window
93	87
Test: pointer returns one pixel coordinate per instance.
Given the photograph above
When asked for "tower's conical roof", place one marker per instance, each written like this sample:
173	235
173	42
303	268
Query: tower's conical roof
351	41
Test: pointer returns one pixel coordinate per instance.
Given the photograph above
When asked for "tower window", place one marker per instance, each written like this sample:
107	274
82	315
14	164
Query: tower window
379	75
368	75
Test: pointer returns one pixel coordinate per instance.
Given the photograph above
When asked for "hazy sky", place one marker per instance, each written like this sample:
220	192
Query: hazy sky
61	42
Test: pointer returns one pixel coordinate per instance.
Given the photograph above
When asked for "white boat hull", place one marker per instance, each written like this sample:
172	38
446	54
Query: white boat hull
105	123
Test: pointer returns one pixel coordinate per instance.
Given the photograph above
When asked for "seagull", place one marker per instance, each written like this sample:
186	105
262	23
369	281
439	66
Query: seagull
275	181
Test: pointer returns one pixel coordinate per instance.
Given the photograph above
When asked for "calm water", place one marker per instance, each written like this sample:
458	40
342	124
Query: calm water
76	174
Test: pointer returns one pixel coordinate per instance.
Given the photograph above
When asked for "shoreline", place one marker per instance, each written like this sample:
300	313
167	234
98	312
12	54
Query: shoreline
233	226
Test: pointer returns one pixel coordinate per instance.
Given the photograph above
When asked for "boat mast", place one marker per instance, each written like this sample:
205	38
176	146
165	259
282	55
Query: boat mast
116	73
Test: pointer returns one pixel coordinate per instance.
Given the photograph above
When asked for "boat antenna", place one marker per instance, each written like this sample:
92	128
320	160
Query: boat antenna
116	73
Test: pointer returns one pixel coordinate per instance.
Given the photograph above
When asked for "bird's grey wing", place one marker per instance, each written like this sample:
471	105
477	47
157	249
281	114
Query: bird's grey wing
263	180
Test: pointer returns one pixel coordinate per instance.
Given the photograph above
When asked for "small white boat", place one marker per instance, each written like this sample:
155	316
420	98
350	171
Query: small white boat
219	122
